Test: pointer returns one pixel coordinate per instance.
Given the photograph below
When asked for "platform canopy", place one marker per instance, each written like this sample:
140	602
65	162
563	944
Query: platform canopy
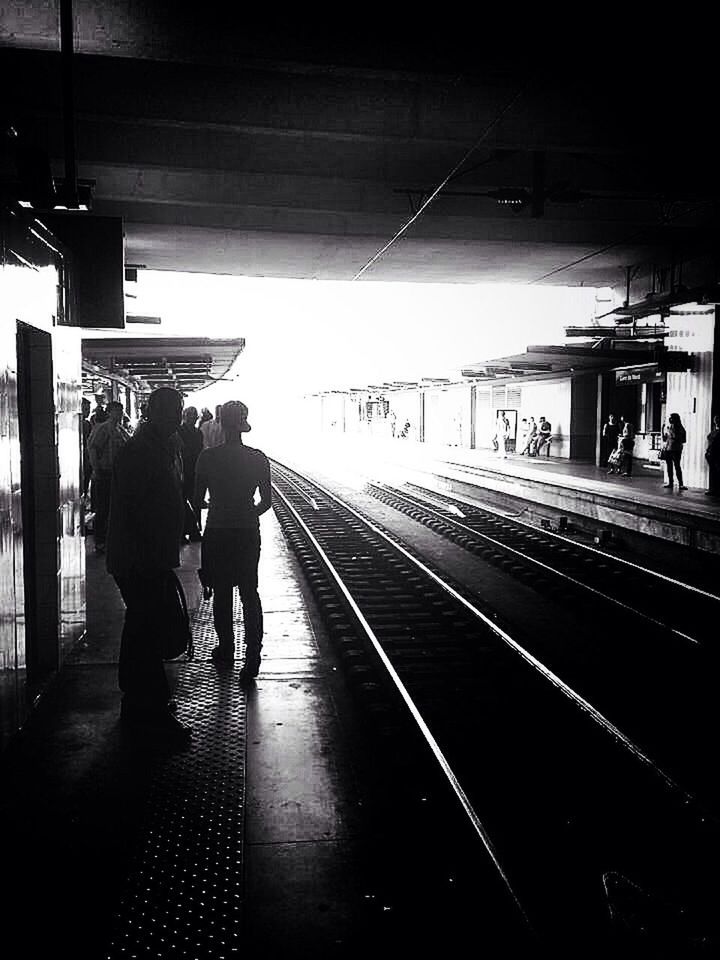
186	363
561	359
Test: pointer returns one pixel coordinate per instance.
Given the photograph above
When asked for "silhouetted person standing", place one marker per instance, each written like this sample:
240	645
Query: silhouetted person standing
232	473
192	444
712	456
104	444
99	414
675	437
212	430
531	438
146	523
610	433
626	445
86	429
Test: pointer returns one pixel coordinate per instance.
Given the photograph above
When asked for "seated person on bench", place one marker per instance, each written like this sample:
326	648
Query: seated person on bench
544	435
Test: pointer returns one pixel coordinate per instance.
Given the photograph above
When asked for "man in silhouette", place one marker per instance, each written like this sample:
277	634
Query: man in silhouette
610	432
146	524
104	444
192	444
233	472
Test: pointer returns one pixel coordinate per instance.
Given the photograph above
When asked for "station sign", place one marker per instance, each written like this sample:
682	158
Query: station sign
641	374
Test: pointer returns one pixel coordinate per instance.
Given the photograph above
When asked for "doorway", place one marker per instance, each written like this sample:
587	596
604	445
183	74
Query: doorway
39	497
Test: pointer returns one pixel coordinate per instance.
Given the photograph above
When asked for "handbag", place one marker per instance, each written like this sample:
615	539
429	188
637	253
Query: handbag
177	638
663	454
190	526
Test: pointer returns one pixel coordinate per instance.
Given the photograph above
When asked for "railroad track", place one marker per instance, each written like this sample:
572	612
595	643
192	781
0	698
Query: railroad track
565	807
687	611
644	644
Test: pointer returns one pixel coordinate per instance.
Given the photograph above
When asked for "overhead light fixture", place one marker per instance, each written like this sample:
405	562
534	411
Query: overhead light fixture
81	199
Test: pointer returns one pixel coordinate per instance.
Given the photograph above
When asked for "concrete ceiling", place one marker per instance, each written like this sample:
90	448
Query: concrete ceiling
291	152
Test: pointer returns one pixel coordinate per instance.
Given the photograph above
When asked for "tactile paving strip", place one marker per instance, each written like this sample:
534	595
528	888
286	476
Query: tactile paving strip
183	897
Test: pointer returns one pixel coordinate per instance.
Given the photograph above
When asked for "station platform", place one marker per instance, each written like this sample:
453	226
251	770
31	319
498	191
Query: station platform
638	504
276	832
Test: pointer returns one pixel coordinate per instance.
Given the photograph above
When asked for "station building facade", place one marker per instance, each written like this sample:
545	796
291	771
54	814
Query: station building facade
641	372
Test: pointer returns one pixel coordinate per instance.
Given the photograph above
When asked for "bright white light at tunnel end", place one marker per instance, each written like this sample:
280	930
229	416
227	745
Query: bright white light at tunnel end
303	336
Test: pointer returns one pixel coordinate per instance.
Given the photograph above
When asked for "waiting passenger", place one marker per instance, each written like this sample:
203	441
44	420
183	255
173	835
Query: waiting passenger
610	433
522	435
86	429
192	444
614	461
212	431
232	473
99	414
675	437
505	432
712	456
146	523
626	444
531	439
104	444
544	435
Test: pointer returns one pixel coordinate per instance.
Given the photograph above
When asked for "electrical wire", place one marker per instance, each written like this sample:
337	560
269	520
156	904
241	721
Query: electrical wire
488	129
618	243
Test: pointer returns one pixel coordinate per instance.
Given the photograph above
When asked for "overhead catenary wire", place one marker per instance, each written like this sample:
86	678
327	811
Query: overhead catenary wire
618	243
468	153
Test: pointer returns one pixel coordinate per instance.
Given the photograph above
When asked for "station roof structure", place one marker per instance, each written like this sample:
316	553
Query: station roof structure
187	364
575	359
333	149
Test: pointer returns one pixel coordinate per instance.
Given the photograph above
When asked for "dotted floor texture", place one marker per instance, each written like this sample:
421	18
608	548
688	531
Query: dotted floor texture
184	894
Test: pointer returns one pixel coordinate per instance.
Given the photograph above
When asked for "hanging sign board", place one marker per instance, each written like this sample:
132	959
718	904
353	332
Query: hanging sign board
644	374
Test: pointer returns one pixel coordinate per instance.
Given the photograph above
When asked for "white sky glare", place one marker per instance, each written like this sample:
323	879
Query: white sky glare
303	336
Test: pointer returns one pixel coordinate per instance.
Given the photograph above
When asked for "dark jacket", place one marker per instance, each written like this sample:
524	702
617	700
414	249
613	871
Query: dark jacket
611	432
147	508
192	444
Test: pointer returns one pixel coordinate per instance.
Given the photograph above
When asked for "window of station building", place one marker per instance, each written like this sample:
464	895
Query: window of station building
377	409
655	406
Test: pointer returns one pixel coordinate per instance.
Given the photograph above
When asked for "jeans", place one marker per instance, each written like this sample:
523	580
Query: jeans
141	673
231	557
674	461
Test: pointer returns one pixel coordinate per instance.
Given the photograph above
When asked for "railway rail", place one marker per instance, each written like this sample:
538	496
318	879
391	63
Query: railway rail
643	643
563	804
688	611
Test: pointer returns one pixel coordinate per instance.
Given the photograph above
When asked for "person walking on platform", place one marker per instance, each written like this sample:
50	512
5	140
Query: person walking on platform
212	430
505	432
192	444
104	444
674	437
610	434
146	523
712	455
233	472
530	439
